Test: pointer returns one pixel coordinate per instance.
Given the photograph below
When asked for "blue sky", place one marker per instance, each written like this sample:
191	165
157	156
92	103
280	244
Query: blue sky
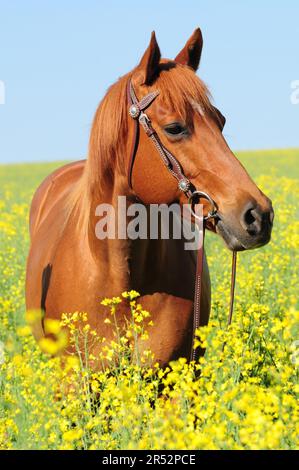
57	58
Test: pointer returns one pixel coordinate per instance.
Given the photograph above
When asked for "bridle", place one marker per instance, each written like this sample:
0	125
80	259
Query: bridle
136	111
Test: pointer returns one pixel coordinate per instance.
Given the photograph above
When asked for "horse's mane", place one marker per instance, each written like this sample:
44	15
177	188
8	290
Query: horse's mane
179	87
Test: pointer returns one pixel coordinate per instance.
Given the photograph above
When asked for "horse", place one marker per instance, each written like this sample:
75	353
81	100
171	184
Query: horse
70	269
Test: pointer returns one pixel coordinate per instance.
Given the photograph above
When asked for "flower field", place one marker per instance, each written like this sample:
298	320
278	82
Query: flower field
246	394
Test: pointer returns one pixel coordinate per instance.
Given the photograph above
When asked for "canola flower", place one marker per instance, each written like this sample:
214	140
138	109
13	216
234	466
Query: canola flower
245	397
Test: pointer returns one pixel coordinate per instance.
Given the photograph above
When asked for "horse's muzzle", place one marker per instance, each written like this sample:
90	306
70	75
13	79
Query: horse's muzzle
252	230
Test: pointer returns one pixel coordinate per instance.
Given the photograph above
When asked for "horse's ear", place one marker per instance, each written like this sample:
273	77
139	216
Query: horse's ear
191	53
149	64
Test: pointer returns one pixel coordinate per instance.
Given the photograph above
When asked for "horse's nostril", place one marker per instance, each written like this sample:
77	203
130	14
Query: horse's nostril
251	220
257	222
249	217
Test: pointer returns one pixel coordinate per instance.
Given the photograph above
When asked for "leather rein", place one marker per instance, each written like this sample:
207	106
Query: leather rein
136	111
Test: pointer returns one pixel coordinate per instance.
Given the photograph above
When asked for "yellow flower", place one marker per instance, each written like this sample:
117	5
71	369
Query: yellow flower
72	435
52	326
33	316
54	346
24	331
132	294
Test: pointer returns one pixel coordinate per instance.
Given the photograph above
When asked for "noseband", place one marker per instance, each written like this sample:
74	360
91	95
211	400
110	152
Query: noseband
136	111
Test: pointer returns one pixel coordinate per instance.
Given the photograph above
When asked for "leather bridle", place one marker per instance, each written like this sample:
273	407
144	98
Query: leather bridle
136	111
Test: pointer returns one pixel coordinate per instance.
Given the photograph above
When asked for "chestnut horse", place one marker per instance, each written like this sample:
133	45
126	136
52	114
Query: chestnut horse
69	269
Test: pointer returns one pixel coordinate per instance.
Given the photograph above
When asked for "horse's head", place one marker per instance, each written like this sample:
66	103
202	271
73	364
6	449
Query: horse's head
191	128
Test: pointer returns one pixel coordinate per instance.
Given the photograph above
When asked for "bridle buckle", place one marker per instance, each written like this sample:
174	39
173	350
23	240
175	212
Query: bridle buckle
146	124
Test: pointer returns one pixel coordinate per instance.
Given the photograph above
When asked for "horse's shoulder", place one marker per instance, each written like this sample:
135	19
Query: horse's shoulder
52	188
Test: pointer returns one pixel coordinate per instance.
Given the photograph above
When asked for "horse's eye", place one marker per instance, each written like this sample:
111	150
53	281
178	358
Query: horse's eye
175	129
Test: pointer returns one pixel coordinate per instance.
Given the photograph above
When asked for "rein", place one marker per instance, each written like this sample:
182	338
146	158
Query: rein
136	111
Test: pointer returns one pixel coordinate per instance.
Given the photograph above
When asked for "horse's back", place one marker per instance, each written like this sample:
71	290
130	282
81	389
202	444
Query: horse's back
54	186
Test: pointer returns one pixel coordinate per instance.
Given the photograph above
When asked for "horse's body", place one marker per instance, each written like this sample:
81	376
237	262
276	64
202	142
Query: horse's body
159	269
69	269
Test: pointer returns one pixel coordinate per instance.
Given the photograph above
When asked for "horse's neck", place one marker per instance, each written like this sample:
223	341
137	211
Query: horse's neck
110	254
145	265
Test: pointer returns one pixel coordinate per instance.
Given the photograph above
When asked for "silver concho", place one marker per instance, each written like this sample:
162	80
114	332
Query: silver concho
184	185
134	111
